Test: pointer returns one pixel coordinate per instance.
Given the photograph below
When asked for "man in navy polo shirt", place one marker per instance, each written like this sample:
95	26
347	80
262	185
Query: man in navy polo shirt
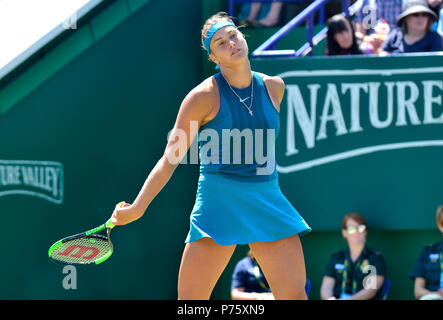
248	281
427	272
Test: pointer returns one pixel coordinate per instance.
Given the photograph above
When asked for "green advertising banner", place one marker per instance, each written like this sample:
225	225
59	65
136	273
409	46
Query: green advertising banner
361	134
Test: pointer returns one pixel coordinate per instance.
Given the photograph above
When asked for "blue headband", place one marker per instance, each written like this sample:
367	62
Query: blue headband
213	29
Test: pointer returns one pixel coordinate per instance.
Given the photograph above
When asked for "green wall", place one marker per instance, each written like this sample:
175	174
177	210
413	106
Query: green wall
105	117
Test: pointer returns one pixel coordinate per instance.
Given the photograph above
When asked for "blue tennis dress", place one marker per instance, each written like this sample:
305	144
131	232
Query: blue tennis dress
238	199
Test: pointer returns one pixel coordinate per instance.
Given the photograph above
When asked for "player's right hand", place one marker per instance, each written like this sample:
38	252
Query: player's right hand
124	213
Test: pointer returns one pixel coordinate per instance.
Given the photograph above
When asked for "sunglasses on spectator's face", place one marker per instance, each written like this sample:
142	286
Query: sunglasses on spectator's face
419	14
353	229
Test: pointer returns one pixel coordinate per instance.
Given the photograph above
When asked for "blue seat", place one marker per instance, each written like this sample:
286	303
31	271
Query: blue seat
308	286
385	289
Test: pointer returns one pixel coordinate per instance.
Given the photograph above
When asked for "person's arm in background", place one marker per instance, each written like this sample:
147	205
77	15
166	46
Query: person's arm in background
327	288
386	46
418	275
369	293
240	294
373	282
420	288
329	280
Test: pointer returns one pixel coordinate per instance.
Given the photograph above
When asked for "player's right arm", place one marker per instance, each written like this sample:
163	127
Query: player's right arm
194	111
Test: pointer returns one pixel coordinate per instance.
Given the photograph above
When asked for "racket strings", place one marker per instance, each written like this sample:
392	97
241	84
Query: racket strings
83	250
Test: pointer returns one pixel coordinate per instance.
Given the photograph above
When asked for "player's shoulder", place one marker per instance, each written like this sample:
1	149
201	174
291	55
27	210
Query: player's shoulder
338	255
275	85
434	247
204	95
272	81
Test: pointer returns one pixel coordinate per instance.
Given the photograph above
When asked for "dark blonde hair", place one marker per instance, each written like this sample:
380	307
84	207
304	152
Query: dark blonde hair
210	21
357	217
439	216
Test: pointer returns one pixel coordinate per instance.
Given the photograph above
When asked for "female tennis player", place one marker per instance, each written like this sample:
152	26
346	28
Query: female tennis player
236	203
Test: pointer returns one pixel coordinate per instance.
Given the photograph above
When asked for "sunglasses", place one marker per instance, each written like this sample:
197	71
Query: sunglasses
419	14
360	229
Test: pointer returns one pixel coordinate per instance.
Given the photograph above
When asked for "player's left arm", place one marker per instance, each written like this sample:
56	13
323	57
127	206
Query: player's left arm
276	89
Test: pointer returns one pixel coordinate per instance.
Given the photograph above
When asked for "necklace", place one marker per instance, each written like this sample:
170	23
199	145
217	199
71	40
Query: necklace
243	100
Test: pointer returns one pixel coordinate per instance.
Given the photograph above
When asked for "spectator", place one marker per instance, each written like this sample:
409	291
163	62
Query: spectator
437	7
427	272
358	272
248	281
271	19
415	34
373	11
341	38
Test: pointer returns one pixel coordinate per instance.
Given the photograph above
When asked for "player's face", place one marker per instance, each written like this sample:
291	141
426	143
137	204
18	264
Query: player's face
228	46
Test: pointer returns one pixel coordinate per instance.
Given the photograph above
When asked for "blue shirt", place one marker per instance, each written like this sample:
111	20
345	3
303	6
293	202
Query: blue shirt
248	275
395	43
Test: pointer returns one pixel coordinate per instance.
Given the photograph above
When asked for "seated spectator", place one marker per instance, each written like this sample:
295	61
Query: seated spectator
427	272
437	7
271	18
415	34
248	281
340	39
373	11
358	272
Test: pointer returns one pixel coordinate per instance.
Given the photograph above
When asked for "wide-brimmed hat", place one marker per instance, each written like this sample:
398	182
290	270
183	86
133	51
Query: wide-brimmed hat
414	6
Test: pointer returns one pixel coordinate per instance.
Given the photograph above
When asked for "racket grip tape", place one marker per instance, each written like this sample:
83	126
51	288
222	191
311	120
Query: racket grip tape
95	230
109	224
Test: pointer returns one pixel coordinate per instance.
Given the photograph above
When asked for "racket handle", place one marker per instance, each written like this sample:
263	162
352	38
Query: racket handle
109	224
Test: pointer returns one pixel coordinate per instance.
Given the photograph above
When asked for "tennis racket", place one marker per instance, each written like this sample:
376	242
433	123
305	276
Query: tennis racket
85	248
